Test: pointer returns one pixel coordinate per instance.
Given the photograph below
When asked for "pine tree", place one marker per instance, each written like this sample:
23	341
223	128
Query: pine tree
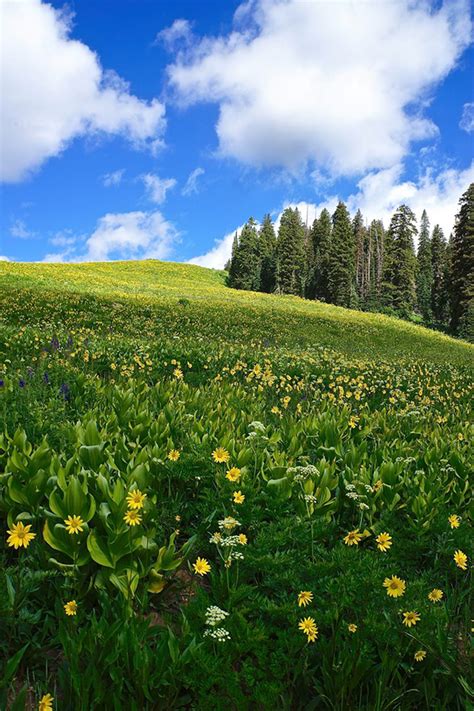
290	253
424	271
268	254
244	270
374	265
400	262
439	300
341	272
321	237
361	256
462	268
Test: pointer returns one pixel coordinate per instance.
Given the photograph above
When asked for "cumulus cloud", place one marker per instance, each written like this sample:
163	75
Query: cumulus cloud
111	179
191	186
157	187
3	258
54	89
467	118
21	231
180	30
336	84
130	235
219	253
382	192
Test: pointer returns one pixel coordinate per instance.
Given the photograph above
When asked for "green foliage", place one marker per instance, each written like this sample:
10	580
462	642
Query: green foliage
332	420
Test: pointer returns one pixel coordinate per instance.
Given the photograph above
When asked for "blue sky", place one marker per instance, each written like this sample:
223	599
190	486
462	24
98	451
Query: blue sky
155	128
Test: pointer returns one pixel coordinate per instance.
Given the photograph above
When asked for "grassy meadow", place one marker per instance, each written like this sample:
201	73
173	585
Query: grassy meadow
216	499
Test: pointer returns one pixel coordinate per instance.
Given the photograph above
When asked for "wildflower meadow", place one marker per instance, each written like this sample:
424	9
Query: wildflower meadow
216	499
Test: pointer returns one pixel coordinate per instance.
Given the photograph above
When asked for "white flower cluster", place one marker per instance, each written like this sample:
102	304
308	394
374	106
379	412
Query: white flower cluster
214	615
218	633
310	498
228	523
302	473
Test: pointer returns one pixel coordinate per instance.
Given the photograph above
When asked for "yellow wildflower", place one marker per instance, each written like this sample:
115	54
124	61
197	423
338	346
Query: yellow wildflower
70	608
220	455
410	618
74	524
384	541
304	598
460	559
135	499
353	538
19	535
201	566
395	586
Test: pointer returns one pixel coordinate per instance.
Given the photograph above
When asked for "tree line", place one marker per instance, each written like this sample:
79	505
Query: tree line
344	261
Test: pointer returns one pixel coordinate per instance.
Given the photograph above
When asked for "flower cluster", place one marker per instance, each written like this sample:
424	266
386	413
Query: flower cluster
214	616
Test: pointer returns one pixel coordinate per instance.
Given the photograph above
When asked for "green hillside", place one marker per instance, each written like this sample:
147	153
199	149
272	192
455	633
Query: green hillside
276	321
216	499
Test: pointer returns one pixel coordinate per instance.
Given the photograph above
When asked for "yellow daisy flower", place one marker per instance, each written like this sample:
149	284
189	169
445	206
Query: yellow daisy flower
419	655
460	559
410	618
309	627
243	539
174	455
201	566
132	517
435	595
19	535
353	538
395	586
221	455
454	520
46	703
70	608
384	541
238	497
304	598
74	524
233	474
352	628
135	499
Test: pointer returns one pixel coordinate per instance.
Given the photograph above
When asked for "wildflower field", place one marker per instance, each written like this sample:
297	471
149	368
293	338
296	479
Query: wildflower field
214	499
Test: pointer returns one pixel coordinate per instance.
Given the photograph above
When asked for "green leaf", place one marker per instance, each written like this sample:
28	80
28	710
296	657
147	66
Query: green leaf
98	550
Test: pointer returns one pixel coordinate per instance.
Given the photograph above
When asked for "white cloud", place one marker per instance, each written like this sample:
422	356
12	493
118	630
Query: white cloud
220	252
191	186
3	258
130	235
381	193
324	82
467	119
114	178
180	30
118	236
55	89
157	187
20	230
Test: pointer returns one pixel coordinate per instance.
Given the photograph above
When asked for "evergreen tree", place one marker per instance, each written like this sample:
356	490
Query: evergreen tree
233	265
374	265
341	272
268	254
244	270
400	262
439	299
462	268
321	238
290	253
361	256
424	271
